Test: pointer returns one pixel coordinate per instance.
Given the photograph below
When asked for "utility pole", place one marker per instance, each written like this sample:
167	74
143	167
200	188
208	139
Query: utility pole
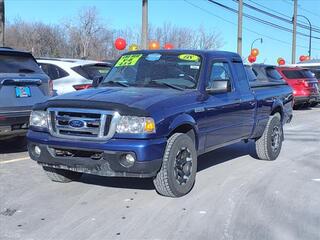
144	32
239	42
1	23
294	33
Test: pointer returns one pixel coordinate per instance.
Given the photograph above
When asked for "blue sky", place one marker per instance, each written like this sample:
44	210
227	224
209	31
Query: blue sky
127	13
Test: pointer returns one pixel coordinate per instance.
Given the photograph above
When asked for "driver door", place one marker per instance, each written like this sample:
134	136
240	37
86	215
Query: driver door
222	105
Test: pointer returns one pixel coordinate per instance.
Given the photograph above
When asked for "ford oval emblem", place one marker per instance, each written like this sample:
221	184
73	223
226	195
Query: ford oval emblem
76	123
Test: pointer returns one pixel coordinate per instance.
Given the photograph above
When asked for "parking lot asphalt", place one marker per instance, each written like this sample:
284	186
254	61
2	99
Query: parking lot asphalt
235	197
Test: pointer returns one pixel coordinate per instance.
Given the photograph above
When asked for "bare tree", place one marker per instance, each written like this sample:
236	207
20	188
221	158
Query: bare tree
87	37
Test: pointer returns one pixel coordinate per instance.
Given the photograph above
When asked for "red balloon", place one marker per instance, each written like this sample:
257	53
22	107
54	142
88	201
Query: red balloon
302	58
252	59
254	52
168	46
120	44
154	45
282	62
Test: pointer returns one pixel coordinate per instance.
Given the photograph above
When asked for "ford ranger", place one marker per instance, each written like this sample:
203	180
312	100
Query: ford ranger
154	114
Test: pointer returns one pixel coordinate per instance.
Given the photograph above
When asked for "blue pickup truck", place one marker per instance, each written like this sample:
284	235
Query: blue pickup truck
154	114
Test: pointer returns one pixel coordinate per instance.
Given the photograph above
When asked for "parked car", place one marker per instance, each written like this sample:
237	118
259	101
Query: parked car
304	84
153	114
312	65
72	74
22	84
264	74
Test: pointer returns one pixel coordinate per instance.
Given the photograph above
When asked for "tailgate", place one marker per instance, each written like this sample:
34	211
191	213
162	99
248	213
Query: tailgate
20	93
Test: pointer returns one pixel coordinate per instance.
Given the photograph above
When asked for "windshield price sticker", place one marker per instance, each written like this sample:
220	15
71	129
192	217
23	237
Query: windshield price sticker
128	60
189	57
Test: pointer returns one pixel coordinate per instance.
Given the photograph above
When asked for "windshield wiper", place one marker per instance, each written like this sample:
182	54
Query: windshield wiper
115	83
26	70
167	84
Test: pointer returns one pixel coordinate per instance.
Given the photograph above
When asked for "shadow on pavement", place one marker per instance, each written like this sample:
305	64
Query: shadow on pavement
14	145
205	161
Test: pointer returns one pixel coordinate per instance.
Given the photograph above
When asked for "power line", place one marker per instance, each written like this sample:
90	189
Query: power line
259	20
315	29
247	29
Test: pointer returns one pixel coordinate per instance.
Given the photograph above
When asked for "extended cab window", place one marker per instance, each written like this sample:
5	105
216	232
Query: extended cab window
220	77
13	63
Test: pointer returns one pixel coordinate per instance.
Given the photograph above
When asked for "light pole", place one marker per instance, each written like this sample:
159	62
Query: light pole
261	41
310	35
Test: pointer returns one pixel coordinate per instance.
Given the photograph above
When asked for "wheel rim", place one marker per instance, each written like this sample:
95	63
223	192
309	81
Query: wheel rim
183	166
276	138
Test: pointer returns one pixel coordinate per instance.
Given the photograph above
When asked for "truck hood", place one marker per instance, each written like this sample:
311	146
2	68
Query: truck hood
131	96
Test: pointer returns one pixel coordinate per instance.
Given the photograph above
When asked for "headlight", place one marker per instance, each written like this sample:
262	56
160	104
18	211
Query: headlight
39	119
131	124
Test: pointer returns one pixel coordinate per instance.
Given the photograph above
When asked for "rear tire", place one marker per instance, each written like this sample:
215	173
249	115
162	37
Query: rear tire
268	146
179	167
313	104
61	175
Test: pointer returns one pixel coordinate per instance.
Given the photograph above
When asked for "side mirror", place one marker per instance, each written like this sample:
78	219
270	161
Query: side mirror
96	81
219	86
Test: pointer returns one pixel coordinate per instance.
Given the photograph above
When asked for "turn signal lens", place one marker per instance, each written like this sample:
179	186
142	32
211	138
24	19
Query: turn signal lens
149	125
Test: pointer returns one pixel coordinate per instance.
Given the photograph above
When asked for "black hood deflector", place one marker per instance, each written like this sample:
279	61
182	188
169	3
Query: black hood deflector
89	104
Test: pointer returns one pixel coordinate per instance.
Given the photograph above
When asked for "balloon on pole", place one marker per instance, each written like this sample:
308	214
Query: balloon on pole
133	47
154	45
168	46
302	58
252	59
120	44
254	52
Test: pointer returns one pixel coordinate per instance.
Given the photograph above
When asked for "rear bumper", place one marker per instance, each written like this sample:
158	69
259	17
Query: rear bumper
306	99
148	154
14	123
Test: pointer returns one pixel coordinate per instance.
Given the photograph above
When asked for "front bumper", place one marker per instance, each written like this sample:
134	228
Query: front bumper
148	153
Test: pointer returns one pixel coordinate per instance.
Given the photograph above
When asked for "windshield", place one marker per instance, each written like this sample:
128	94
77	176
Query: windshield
18	64
179	71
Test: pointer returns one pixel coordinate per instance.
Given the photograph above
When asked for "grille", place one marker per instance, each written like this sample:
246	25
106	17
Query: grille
82	123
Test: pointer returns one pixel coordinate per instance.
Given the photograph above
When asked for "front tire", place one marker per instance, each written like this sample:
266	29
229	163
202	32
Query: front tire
268	146
178	171
61	175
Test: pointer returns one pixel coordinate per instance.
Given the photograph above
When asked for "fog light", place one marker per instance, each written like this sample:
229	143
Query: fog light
127	160
37	151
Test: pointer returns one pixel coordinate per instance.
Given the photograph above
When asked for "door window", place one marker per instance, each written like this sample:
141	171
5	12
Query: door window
220	77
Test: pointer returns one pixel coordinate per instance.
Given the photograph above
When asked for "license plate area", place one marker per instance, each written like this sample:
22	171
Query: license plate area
23	92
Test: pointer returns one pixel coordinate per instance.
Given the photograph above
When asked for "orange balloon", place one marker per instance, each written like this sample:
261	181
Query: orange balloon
307	58
154	45
254	52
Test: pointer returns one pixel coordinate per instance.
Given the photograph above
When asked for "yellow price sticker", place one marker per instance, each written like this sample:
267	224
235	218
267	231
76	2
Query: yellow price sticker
189	57
128	60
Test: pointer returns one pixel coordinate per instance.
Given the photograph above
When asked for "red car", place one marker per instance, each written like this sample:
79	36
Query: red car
304	85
